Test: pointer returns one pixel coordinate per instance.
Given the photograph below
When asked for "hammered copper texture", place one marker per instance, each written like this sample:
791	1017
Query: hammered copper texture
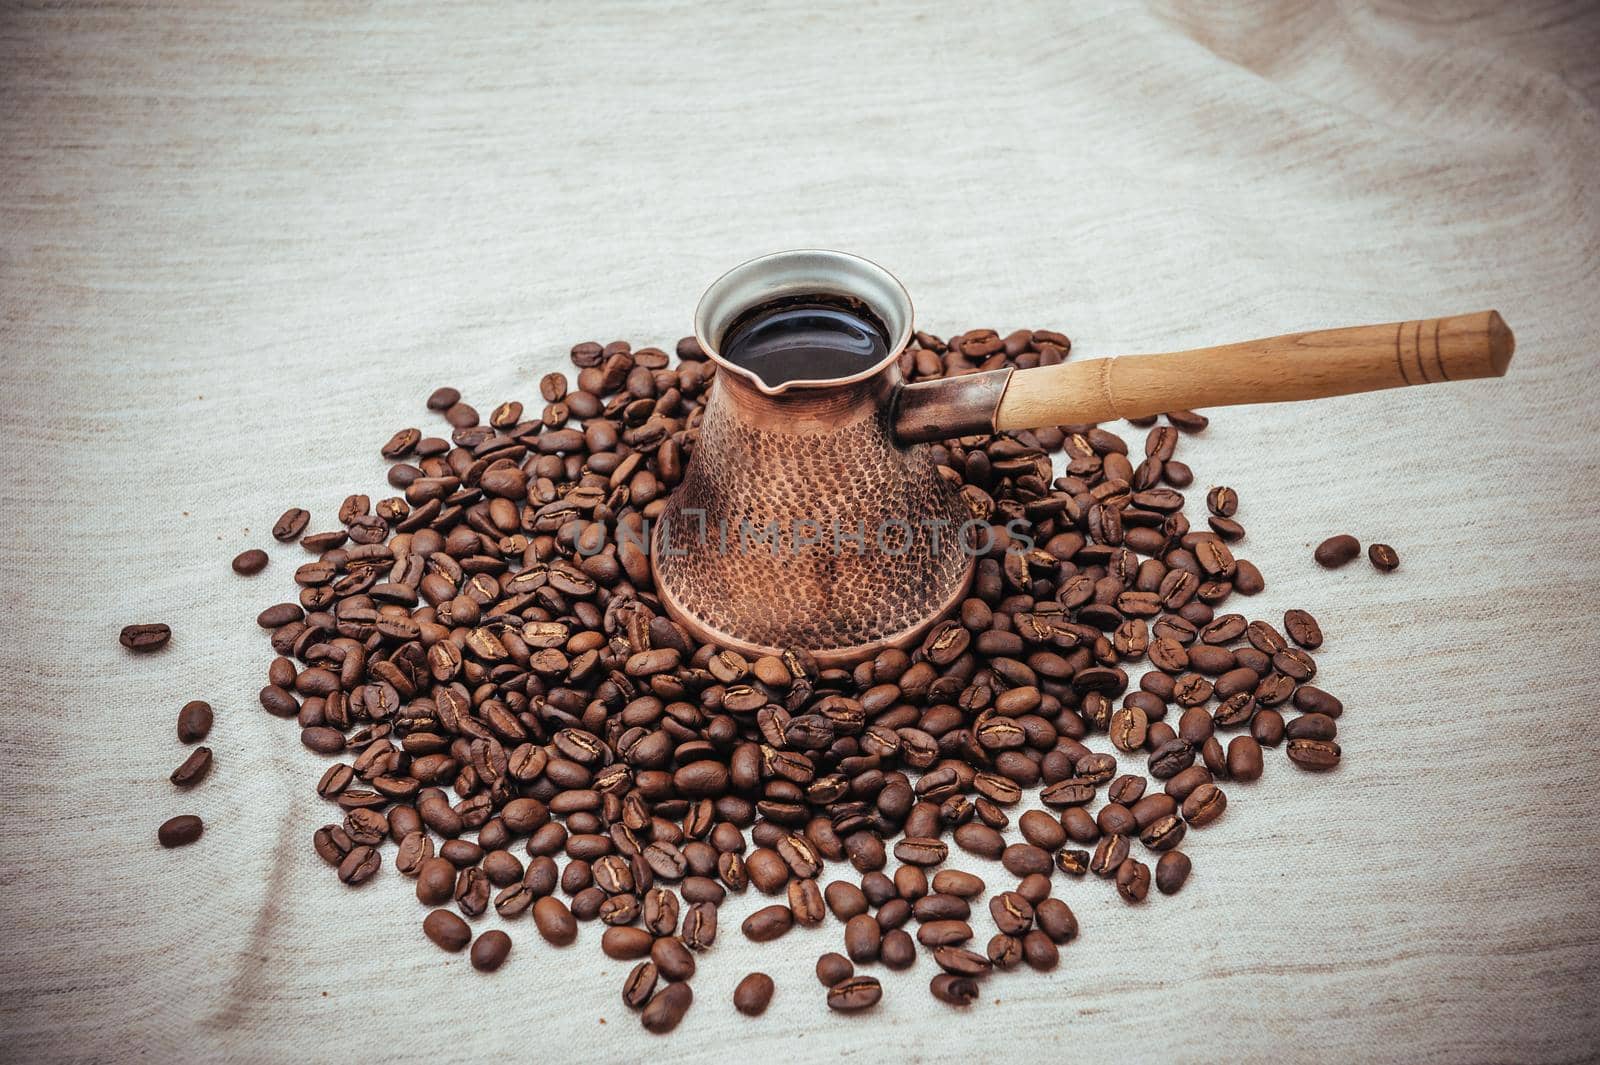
813	597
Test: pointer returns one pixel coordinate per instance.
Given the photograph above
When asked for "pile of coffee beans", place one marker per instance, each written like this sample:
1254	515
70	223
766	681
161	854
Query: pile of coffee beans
518	724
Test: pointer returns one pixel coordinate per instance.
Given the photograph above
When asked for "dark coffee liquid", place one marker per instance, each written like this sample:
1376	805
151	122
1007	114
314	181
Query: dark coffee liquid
809	338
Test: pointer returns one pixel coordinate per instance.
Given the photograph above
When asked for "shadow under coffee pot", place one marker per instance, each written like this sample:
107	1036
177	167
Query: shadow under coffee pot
812	517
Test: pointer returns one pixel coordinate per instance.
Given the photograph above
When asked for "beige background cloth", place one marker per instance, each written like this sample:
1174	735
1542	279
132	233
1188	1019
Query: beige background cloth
241	242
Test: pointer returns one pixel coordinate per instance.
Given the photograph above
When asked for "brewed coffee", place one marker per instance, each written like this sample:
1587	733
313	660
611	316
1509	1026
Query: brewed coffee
806	338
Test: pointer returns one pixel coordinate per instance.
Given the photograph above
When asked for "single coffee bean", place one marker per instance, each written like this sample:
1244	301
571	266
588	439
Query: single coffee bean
1056	920
180	831
666	1008
1303	629
194	768
1204	805
249	563
961	961
1222	501
1133	880
625	944
855	994
863	938
194	721
768	923
1040	952
1172	869
672	958
1244	759
1073	862
554	921
360	865
1335	551
833	968
143	639
447	930
641	984
753	994
954	990
291	525
958	883
1384	557
1316	755
898	951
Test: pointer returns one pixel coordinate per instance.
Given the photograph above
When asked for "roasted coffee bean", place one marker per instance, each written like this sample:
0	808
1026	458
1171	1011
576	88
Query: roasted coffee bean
1318	755
832	968
1384	557
1222	501
1172	869
1056	920
145	638
180	831
1244	759
898	950
641	984
954	990
961	961
753	994
666	1008
490	950
1204	805
768	923
1042	830
291	525
700	926
360	865
194	721
447	930
1335	551
194	768
855	994
249	563
672	958
554	921
1073	862
863	938
625	944
1108	854
1165	834
1133	880
921	851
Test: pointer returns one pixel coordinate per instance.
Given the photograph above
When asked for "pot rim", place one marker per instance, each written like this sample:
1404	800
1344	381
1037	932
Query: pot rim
800	272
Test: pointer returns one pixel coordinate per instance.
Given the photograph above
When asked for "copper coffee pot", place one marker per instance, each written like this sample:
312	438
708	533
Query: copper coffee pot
810	516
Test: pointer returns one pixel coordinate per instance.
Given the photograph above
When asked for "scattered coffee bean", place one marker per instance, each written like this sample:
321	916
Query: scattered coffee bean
753	994
1302	629
194	721
833	968
194	768
1316	755
1384	557
447	930
1335	551
249	563
954	990
145	638
1172	869
855	994
490	950
666	1008
291	525
180	831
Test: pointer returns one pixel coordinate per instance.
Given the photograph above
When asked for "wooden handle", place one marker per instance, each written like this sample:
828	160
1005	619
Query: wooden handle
1327	362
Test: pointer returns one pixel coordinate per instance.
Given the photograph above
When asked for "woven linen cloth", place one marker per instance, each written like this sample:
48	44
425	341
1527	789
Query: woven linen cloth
242	242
